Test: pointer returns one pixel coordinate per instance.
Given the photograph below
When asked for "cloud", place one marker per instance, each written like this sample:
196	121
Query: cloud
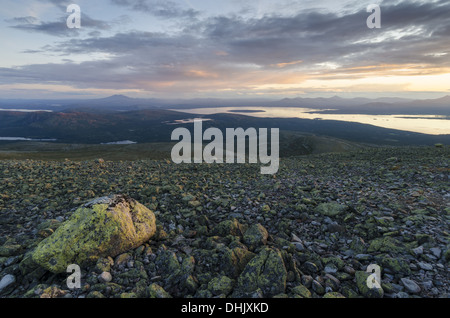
159	8
57	28
23	20
236	52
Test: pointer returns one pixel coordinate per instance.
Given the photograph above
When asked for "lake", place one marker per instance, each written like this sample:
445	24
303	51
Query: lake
426	124
23	139
25	110
122	142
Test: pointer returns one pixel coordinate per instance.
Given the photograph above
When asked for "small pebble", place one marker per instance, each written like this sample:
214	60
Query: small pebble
105	277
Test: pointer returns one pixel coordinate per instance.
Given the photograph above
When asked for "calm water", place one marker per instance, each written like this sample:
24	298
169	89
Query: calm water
23	139
25	110
123	142
426	124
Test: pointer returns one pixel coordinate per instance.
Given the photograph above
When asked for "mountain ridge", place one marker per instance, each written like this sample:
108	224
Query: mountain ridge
392	105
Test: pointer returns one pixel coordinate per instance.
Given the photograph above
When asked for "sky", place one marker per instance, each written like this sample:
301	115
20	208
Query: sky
224	49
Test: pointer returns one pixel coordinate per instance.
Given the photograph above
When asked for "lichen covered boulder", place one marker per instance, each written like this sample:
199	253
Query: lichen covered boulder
266	272
106	226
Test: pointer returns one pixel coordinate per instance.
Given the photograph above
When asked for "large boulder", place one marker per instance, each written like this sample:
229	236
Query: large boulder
106	226
265	274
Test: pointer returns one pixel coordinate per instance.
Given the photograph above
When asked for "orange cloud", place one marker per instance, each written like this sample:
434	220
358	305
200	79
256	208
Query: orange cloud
283	65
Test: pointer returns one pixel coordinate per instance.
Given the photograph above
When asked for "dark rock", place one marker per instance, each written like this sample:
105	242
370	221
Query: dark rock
255	236
266	271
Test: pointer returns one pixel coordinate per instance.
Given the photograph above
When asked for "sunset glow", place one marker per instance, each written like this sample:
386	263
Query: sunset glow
193	49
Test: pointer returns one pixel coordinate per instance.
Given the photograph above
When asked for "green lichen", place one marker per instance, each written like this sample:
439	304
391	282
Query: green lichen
10	249
302	291
333	295
95	294
229	227
266	272
156	291
189	282
167	262
221	285
187	265
330	209
398	265
385	245
255	236
339	263
96	231
233	261
104	264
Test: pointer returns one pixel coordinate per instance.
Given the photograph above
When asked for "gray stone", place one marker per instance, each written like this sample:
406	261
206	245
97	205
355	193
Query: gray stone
363	257
428	285
327	220
299	246
436	251
425	266
330	269
411	286
334	228
418	250
11	261
401	295
7	281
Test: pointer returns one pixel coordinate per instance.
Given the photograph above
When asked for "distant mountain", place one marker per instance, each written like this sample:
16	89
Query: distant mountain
378	106
440	106
439	102
117	99
335	102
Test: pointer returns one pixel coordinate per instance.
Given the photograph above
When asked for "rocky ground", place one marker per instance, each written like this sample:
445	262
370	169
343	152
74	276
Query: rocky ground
311	230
